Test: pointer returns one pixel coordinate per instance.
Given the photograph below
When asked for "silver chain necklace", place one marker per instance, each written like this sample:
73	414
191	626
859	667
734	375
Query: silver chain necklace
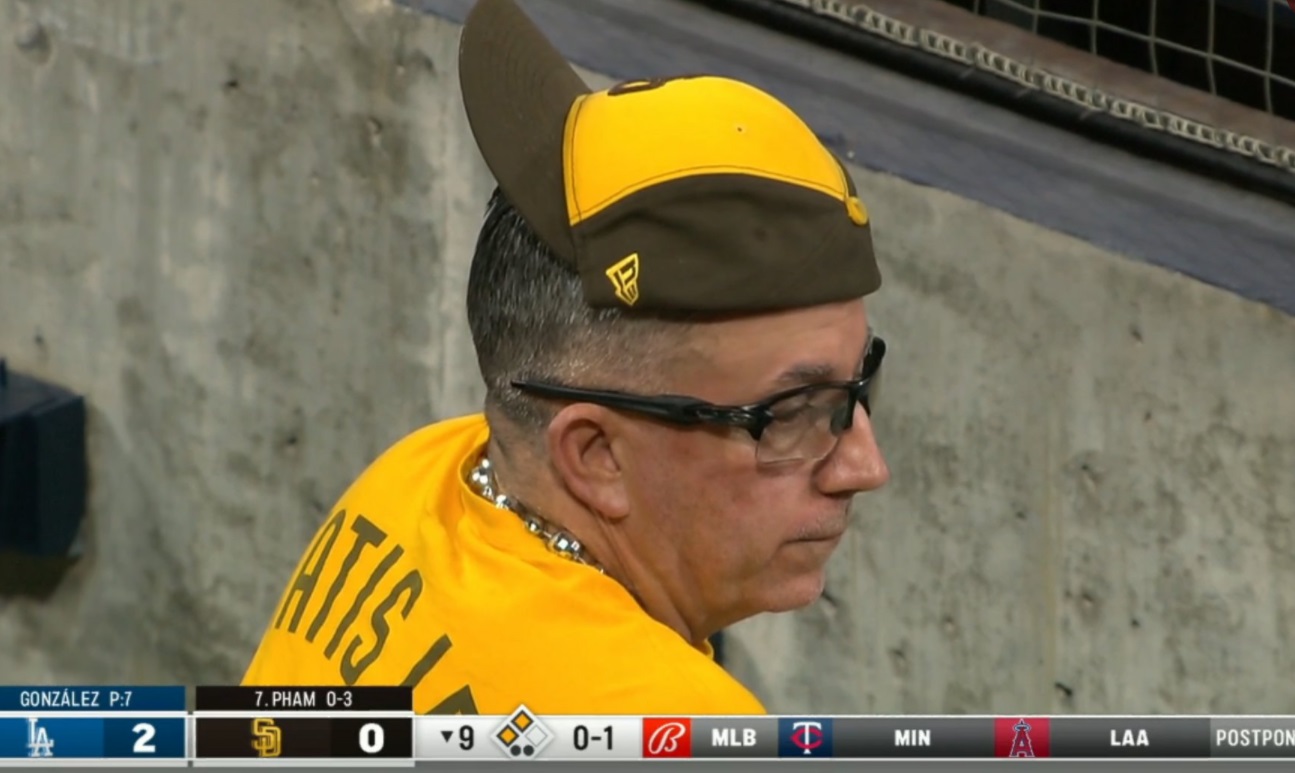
558	540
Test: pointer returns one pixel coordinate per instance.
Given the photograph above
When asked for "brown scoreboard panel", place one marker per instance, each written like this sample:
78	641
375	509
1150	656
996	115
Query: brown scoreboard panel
285	723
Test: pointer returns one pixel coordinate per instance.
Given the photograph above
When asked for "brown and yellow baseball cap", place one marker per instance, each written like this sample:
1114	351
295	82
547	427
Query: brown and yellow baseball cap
694	193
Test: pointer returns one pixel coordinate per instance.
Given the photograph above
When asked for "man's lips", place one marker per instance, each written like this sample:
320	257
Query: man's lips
827	531
828	537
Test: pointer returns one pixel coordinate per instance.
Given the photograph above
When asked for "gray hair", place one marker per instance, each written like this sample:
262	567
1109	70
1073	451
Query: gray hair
529	321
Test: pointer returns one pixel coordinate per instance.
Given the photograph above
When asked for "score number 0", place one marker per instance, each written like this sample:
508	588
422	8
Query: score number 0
372	738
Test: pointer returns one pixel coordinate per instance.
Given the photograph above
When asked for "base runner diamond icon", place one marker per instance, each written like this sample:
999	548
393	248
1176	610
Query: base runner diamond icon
522	736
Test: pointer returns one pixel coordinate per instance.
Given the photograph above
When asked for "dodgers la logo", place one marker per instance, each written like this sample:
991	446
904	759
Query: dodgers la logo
39	744
804	738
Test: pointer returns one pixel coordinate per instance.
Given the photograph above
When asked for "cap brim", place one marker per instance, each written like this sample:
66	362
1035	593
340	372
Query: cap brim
518	90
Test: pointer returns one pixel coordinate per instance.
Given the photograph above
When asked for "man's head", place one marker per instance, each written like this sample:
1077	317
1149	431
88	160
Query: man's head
665	259
530	321
729	526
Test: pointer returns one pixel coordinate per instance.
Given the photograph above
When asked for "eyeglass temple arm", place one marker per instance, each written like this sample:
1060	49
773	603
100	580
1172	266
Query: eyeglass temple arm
680	410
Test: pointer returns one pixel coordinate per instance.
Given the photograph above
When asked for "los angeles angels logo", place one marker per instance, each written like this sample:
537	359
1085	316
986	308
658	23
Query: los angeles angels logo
1022	737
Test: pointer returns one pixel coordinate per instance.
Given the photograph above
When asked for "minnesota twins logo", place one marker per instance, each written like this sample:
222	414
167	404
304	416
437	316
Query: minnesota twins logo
39	744
805	738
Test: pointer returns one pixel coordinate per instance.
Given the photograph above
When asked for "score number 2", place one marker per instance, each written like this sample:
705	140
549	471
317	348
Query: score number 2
582	738
144	733
143	738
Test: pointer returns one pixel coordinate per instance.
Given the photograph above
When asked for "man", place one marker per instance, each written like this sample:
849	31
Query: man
576	547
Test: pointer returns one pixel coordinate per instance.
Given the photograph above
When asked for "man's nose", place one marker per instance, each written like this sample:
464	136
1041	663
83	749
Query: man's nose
856	464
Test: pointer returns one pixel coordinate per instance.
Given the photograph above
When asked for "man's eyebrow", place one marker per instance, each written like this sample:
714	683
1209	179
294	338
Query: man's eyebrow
806	373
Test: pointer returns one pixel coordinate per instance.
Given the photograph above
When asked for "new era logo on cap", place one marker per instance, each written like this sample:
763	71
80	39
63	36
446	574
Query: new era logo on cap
624	275
667	737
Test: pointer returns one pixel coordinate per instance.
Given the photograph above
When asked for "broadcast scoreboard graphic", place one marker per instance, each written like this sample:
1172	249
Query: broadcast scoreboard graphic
128	726
267	726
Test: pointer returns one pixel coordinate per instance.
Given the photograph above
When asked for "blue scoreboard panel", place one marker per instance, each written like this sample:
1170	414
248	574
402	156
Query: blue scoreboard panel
135	726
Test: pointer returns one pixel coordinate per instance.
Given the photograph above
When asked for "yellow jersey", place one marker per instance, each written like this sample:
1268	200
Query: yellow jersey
417	580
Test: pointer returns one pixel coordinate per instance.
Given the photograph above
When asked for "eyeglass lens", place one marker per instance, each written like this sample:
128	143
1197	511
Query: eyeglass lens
807	427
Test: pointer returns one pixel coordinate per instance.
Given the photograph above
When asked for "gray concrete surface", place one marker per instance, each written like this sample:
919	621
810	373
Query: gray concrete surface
242	230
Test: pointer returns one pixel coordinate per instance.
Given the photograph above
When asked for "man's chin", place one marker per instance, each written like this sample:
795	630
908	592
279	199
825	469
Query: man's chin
798	592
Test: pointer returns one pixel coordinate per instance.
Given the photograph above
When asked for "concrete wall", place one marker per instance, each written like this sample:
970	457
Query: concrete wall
242	230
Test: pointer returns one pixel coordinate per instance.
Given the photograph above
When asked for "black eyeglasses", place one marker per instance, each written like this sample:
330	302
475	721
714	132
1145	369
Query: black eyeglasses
801	424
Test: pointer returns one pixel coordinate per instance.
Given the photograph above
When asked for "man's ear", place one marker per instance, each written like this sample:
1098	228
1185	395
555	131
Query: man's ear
582	444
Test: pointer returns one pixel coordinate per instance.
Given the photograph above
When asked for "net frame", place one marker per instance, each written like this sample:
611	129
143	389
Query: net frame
1035	77
1154	41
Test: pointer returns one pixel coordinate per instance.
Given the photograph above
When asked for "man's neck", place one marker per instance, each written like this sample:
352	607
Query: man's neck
603	545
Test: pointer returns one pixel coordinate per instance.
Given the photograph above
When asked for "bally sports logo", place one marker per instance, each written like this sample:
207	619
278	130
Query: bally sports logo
667	737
